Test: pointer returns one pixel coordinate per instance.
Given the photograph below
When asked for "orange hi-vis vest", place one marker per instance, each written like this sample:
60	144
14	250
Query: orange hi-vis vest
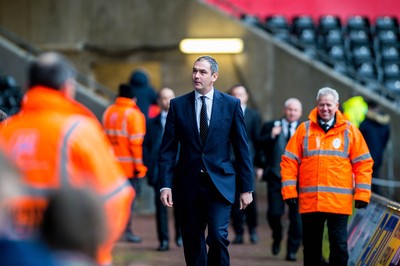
56	142
326	170
125	126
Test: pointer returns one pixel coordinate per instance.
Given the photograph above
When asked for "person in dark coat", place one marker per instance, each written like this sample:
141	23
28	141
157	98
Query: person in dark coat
151	147
376	132
252	119
274	136
145	94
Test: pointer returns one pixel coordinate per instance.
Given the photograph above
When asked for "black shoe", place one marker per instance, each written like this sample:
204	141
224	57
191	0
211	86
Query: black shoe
291	256
179	241
130	237
276	248
254	238
238	240
164	246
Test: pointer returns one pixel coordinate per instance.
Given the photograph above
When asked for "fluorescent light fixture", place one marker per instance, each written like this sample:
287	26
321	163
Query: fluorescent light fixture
212	46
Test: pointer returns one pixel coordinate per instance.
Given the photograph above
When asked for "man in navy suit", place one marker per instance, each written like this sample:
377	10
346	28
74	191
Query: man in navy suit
151	147
206	124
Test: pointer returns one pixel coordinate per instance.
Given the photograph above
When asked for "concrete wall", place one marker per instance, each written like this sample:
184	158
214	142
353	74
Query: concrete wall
99	35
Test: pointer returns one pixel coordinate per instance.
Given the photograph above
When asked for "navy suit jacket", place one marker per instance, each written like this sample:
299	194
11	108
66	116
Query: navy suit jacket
252	120
151	148
272	149
227	130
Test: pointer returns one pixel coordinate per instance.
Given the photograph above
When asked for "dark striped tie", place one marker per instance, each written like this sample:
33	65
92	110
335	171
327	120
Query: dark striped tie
289	132
203	120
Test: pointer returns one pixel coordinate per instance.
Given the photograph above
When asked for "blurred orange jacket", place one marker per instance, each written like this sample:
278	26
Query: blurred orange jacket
57	142
125	126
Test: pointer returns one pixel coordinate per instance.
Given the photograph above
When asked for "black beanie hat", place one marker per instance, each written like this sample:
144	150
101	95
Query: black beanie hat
126	90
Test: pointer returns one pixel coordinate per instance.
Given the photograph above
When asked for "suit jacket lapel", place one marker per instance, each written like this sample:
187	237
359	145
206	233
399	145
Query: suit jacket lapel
191	115
215	112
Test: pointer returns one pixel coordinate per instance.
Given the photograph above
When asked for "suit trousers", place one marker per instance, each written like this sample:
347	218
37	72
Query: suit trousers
162	218
275	211
210	209
313	230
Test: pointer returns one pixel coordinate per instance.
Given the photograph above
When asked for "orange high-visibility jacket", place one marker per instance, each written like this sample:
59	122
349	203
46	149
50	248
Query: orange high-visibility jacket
125	126
325	170
56	142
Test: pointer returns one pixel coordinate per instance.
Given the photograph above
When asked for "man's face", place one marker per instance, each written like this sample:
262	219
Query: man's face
293	111
165	97
202	78
327	107
241	94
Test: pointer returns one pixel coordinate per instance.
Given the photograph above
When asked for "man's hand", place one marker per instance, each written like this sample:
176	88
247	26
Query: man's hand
359	204
166	197
276	130
291	202
245	199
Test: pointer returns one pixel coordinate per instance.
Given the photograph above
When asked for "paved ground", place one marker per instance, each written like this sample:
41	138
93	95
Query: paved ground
145	254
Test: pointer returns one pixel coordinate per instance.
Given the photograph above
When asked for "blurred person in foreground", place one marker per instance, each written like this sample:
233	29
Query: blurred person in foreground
73	226
252	119
325	165
274	136
202	127
376	131
151	148
57	142
125	127
13	250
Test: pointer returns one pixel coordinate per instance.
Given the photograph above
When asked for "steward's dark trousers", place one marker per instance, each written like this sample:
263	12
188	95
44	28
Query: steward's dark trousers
313	230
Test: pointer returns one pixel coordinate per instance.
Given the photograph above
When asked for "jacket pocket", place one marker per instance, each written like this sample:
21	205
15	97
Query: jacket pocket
228	168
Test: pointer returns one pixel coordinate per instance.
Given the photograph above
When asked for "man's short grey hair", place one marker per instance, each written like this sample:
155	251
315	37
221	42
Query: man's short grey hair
328	91
211	60
292	100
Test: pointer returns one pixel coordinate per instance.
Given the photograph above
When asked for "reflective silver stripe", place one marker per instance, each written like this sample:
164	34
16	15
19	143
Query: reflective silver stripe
338	190
123	125
45	192
289	183
124	122
363	186
38	192
136	136
64	155
129	159
116	190
328	153
292	156
361	158
305	141
115	132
